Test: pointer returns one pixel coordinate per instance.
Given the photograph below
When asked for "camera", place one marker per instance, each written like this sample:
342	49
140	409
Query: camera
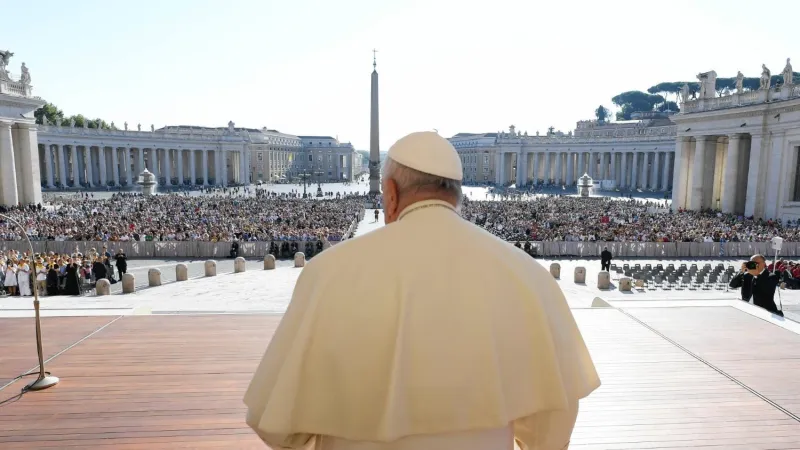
750	265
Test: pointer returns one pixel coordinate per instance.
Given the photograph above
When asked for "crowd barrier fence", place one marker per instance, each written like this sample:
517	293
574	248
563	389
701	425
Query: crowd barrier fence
199	249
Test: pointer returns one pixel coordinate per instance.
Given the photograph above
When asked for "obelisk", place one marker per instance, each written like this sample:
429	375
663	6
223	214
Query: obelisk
374	135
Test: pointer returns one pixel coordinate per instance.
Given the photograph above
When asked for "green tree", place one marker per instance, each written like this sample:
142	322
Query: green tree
635	101
602	113
52	113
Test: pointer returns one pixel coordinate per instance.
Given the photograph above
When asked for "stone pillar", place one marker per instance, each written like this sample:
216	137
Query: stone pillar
590	163
127	165
570	168
142	164
210	268
580	275
555	270
154	277
612	167
752	198
299	259
535	168
634	170
73	154
128	283
581	165
729	176
116	166
548	168
695	198
654	175
62	166
269	262
522	166
87	158
224	167
205	167
48	162
604	280
645	169
179	159
102	287
101	154
624	171
774	195
239	265
665	175
154	162
680	178
559	158
181	272
8	170
192	167
167	170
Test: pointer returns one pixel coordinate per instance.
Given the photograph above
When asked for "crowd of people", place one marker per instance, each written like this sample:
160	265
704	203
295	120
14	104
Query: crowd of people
569	218
179	217
58	274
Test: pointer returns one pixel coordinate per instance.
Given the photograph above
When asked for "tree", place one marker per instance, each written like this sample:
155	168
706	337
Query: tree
635	101
602	113
51	112
668	106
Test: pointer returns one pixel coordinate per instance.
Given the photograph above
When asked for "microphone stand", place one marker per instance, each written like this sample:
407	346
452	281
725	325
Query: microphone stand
44	380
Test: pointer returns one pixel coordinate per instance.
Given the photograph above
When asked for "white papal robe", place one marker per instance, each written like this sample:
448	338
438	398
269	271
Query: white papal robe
427	333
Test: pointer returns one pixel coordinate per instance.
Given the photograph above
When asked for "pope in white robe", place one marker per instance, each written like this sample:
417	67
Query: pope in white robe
427	334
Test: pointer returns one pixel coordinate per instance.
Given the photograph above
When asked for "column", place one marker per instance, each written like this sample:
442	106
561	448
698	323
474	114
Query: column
773	197
167	169
62	166
205	167
192	170
644	170
695	200
730	174
8	171
87	158
665	174
752	175
179	163
48	161
634	170
558	179
548	168
142	165
127	165
101	154
680	179
581	164
535	168
612	167
73	150
115	166
155	163
522	166
570	168
624	171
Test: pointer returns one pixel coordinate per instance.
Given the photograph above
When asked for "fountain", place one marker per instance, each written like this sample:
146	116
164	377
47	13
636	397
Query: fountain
148	182
585	184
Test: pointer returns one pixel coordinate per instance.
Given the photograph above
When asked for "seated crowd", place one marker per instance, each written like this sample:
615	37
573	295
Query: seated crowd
569	218
175	217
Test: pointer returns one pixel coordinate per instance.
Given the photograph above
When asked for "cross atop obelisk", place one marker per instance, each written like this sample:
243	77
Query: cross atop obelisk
374	134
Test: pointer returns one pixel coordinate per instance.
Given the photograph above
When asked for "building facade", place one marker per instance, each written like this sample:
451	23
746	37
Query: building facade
630	155
19	165
739	152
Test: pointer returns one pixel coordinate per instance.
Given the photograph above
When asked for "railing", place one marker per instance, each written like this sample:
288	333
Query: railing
774	94
14	88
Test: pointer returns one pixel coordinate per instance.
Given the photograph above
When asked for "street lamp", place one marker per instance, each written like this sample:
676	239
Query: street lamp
304	176
44	380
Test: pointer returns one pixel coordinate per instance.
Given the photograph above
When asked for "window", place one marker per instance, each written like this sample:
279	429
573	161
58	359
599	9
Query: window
310	157
260	156
486	159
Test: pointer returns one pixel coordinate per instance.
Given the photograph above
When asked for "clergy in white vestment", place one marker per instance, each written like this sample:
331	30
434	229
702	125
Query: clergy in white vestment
427	334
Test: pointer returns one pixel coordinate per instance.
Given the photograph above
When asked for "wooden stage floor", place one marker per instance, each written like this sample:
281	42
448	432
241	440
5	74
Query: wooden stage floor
673	378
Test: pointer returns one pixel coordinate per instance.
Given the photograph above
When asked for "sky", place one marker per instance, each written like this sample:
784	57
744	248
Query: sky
303	67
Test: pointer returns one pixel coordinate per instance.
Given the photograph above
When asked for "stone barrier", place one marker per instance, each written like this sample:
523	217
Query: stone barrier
555	270
269	262
211	268
102	287
600	303
128	283
181	272
625	284
299	259
154	277
604	280
239	265
580	275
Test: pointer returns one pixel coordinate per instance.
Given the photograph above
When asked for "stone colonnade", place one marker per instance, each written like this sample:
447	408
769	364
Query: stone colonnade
19	171
71	165
717	172
652	169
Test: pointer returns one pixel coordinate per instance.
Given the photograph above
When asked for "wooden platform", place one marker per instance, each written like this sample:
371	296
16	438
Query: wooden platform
684	378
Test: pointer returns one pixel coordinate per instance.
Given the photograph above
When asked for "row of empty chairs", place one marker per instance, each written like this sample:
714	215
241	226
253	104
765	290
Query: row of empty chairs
683	277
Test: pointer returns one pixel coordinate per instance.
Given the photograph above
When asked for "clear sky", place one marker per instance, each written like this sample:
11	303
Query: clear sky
303	67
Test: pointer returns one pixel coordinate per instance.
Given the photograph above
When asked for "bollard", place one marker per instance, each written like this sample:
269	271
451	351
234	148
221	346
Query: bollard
299	259
580	275
604	280
102	287
128	283
269	262
181	272
211	268
625	284
239	265
555	270
154	277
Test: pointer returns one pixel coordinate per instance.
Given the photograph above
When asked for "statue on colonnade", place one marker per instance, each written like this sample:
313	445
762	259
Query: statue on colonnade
739	82
685	93
5	57
139	127
765	77
25	77
788	74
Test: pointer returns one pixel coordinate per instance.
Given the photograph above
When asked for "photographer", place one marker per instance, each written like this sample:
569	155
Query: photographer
757	281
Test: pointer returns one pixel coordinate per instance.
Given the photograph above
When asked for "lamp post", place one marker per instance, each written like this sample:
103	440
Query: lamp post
304	176
44	381
319	184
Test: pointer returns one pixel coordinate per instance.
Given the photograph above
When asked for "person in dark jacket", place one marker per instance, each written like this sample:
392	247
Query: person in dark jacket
72	285
235	249
121	262
763	284
605	259
99	269
745	281
52	280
